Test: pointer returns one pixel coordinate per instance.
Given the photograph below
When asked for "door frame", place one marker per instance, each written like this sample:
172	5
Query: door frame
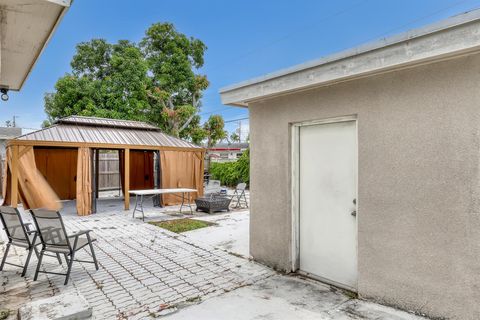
295	188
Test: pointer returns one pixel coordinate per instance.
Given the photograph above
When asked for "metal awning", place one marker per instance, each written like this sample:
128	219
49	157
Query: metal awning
26	26
75	131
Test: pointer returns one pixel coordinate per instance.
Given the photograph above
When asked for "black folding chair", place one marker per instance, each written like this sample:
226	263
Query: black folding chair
19	234
239	198
54	238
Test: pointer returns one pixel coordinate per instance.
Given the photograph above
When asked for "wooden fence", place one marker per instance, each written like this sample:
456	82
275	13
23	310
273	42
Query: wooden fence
108	171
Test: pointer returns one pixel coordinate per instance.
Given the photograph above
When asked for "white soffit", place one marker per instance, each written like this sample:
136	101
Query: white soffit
26	26
455	36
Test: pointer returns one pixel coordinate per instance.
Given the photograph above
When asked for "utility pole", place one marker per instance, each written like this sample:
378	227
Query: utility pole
240	131
14	122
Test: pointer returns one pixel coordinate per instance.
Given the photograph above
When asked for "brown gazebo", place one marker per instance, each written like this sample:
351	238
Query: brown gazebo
61	162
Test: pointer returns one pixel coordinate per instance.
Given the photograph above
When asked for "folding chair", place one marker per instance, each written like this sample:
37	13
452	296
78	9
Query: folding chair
19	234
54	238
239	197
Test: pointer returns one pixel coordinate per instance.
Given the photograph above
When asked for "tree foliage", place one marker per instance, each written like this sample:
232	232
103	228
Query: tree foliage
155	81
232	173
214	130
234	137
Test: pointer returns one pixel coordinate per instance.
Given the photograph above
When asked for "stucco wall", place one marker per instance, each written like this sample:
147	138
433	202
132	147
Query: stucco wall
418	201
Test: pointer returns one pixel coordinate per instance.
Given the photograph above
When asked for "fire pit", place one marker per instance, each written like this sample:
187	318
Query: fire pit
213	203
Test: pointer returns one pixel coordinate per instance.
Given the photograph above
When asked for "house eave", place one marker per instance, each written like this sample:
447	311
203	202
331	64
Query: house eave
447	39
27	30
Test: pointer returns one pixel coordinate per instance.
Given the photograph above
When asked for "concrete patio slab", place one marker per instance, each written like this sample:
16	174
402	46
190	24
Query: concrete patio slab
67	306
230	232
284	298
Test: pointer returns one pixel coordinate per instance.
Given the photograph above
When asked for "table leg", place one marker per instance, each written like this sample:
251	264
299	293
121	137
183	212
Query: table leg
183	200
190	203
141	207
134	209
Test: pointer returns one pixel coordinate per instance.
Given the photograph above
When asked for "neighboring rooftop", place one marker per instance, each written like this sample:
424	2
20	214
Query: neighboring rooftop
230	146
92	130
9	132
453	37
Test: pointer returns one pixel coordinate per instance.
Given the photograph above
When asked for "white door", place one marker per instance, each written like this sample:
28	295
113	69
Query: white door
327	202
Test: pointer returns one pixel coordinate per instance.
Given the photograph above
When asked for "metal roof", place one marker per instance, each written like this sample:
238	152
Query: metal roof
26	27
92	130
115	123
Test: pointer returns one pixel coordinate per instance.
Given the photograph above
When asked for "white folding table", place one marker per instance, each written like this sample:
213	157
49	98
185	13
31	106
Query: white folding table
141	194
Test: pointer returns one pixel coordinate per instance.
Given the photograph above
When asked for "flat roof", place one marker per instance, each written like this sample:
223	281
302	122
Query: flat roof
26	27
452	37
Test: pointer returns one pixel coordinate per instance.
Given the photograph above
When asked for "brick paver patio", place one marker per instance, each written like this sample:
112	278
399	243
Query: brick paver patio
144	270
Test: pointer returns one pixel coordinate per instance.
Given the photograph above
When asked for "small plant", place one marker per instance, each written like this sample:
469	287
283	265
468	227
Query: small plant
350	294
99	284
182	225
194	299
4	314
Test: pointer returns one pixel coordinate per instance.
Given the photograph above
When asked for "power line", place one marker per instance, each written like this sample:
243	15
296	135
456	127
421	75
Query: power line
215	110
36	129
235	120
282	38
455	4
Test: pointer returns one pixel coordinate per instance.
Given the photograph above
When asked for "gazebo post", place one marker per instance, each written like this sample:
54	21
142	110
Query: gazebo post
14	172
127	179
97	172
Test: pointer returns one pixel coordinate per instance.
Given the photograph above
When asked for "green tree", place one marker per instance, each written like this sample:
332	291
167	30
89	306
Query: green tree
173	59
214	128
234	137
156	81
107	81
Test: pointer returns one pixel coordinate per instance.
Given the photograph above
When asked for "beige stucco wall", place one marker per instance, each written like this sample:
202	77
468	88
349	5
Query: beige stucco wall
418	180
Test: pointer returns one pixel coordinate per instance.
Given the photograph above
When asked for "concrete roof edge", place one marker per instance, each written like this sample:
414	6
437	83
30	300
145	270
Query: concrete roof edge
66	5
437	27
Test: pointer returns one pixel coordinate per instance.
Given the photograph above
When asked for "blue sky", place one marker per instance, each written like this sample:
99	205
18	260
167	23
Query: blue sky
245	38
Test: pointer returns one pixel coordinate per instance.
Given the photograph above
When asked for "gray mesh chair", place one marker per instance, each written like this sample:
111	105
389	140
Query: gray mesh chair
54	238
239	198
19	234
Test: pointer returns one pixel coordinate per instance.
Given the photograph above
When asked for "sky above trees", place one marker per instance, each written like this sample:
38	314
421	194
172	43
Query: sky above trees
245	38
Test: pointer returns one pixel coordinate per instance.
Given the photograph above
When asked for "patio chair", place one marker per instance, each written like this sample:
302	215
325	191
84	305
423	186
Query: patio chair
239	198
212	187
54	238
19	234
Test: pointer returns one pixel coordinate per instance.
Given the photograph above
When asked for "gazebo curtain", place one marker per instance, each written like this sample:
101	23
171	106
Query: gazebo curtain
181	169
141	169
84	181
34	191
